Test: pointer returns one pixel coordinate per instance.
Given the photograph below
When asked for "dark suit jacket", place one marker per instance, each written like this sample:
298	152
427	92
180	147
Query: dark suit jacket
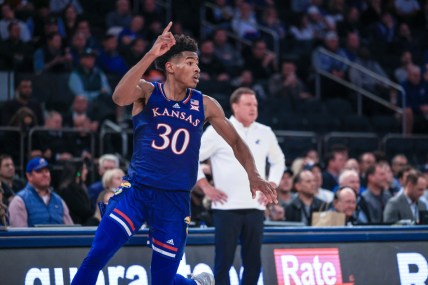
398	208
293	211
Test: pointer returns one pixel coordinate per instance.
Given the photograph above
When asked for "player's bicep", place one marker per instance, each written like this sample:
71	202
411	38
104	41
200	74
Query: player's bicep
214	114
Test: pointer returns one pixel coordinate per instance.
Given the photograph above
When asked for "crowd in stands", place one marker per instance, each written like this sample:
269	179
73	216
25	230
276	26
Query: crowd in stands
93	43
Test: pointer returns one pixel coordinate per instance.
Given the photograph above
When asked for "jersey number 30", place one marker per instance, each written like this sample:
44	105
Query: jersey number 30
171	139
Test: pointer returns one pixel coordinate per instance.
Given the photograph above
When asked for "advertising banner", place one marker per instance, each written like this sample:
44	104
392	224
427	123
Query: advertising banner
362	263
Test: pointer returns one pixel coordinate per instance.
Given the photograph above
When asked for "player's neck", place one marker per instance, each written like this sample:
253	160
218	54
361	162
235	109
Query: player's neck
174	91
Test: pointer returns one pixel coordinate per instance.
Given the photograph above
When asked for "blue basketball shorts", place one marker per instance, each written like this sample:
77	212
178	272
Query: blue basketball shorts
167	214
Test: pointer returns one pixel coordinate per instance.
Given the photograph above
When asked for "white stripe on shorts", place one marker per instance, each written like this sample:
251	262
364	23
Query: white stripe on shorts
163	251
125	226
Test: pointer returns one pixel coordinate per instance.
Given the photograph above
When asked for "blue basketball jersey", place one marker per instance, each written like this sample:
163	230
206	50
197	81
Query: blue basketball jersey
167	137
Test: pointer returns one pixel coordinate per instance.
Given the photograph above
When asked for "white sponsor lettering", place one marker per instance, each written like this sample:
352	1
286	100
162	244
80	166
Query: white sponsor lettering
416	276
135	274
310	273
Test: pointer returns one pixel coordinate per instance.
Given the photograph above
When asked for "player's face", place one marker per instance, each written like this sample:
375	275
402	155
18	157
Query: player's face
245	110
186	68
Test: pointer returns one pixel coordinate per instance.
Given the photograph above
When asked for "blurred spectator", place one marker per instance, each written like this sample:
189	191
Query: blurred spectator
135	52
383	30
84	27
58	6
407	9
9	181
221	14
351	23
389	186
327	63
373	13
373	201
105	162
271	21
153	14
352	46
112	179
131	33
324	62
8	17
406	206
402	176
345	201
79	107
336	11
16	54
83	137
301	207
246	79
226	52
302	31
211	67
104	197
317	22
287	84
406	60
366	160
397	163
72	189
350	178
285	188
77	48
335	163
244	22
299	6
25	119
321	193
23	98
406	41
37	203
52	143
70	20
87	79
352	164
416	111
369	83
260	61
120	17
109	59
52	57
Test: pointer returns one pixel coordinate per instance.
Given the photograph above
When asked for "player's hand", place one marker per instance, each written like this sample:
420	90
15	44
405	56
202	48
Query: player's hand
214	194
164	42
266	188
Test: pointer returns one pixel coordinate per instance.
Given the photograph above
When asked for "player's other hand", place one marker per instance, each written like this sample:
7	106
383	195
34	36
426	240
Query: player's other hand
164	42
268	190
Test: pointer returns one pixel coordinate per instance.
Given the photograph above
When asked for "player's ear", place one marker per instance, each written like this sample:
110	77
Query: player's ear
169	67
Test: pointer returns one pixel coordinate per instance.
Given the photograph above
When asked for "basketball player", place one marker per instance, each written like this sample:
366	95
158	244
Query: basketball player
168	123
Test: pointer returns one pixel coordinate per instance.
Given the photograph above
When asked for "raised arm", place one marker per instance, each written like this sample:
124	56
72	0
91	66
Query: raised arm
130	88
215	116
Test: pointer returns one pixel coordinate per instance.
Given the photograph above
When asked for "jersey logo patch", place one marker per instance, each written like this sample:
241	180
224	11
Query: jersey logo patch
187	220
170	241
176	105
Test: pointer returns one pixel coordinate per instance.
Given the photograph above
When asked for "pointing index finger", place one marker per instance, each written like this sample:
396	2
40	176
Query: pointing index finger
166	30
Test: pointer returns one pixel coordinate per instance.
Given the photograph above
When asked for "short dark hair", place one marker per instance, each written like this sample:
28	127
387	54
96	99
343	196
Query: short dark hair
236	95
182	43
4	157
413	177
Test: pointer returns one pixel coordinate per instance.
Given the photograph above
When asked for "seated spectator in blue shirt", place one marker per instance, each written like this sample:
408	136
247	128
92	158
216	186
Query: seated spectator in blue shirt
87	79
37	204
109	59
416	111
